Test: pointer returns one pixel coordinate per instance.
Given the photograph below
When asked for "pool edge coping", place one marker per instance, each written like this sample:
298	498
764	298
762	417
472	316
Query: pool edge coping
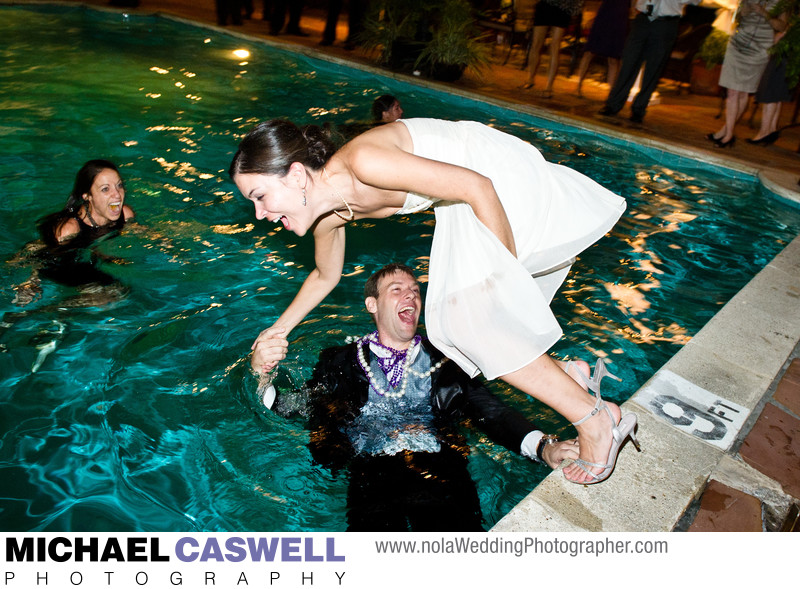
735	357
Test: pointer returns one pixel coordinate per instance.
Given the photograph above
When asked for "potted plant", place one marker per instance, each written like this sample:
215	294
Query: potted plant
455	43
392	30
440	38
707	66
788	48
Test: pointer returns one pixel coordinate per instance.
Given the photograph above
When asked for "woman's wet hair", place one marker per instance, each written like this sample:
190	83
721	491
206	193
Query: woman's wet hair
50	225
84	180
381	105
273	146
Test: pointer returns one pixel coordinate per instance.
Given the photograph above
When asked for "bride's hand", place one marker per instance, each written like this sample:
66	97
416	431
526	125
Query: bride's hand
269	348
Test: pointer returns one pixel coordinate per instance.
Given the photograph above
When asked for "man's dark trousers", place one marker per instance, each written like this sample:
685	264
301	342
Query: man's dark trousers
649	42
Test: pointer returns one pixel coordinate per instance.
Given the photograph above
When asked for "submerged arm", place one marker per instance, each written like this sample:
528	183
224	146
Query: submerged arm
31	289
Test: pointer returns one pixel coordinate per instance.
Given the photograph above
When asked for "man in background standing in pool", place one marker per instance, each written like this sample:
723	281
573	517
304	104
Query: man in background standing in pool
387	406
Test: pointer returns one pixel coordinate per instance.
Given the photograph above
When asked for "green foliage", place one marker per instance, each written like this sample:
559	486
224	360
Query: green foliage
712	51
788	48
444	31
388	21
455	39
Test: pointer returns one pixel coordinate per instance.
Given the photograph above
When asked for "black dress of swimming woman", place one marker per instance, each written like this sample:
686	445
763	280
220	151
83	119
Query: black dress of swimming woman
95	209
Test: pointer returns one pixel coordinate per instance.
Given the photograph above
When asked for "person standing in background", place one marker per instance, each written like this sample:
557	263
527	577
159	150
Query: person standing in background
650	42
606	39
275	14
746	58
554	16
229	8
356	11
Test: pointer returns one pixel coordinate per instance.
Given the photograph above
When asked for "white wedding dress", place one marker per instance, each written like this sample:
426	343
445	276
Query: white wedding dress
485	309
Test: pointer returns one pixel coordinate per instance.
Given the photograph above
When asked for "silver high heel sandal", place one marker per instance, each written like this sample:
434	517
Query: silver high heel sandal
600	372
593	382
619	431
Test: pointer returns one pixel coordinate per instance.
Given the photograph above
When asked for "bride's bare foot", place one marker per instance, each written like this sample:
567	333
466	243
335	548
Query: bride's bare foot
596	438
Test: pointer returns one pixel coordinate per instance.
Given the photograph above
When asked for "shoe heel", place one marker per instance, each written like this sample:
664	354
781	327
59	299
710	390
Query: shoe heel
723	145
627	427
771	138
601	371
635	442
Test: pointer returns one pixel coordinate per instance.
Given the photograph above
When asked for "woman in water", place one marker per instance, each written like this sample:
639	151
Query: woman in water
95	207
508	226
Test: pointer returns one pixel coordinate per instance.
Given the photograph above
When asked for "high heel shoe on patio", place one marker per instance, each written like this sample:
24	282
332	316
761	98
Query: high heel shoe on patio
766	139
619	431
723	144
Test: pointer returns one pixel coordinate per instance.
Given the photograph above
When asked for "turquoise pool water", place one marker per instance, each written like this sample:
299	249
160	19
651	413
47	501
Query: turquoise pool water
129	410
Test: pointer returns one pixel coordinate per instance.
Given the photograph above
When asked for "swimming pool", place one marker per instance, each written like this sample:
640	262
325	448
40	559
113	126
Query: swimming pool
137	416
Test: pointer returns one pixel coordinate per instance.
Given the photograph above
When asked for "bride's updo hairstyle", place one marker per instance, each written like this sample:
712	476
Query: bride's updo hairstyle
274	145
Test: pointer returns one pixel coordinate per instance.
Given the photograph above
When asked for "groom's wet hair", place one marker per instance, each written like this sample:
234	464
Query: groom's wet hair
371	288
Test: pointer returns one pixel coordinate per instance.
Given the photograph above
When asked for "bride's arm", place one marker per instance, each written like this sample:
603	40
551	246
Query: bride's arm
329	245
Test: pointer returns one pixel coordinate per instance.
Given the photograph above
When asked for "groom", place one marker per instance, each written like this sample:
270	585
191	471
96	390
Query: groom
388	406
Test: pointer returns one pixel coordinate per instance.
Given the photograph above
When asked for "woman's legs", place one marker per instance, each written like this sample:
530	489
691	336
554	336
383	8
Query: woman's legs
546	381
539	35
583	68
735	105
613	70
770	112
555	49
774	114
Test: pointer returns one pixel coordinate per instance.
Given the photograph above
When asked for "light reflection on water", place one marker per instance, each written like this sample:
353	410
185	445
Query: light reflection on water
139	414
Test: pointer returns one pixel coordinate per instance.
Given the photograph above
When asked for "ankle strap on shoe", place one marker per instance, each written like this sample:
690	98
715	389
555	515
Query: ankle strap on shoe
597	406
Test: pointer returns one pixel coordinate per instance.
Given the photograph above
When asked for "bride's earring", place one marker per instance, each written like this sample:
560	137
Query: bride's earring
304	196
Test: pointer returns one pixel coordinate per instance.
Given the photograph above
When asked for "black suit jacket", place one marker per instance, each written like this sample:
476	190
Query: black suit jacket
338	389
